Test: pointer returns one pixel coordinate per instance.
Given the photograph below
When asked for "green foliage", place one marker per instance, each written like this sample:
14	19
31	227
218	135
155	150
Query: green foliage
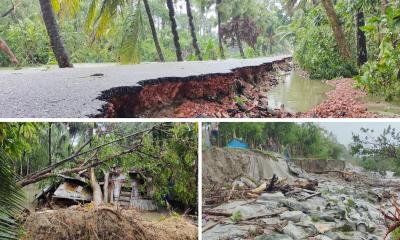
381	76
168	156
15	139
395	235
378	153
315	47
236	217
315	218
11	200
304	140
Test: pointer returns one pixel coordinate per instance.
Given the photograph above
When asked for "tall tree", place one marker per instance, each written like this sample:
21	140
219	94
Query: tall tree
153	31
193	30
219	19
56	42
174	30
362	54
337	29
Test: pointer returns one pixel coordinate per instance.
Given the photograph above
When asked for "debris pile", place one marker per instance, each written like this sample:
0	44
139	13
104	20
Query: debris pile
89	222
333	204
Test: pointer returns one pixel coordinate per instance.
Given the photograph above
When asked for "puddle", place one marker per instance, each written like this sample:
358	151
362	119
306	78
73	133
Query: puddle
297	93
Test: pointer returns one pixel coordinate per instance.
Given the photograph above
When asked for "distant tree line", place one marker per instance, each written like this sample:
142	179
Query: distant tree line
303	140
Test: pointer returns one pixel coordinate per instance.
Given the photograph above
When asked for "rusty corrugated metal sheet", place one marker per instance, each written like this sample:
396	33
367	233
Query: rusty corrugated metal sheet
73	191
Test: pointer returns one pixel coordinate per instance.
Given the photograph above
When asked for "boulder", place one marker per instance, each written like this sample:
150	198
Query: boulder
294	216
274	236
294	205
294	231
272	196
228	232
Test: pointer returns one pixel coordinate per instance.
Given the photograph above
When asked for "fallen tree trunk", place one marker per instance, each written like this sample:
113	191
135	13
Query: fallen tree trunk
47	172
106	186
25	182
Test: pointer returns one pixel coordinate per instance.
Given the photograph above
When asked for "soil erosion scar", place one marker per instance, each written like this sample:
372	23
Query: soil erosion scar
170	97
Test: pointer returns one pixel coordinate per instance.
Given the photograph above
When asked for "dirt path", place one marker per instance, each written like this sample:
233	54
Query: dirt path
343	102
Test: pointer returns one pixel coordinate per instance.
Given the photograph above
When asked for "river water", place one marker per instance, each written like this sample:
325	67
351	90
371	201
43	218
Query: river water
297	93
383	108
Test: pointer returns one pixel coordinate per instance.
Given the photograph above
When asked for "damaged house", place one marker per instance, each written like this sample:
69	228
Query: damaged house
131	189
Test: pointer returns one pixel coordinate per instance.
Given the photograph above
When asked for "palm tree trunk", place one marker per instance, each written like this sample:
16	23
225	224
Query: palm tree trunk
240	46
56	41
174	29
221	46
384	4
337	29
153	31
193	30
362	54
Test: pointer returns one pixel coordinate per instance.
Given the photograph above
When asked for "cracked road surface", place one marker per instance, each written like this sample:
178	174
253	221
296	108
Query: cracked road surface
72	93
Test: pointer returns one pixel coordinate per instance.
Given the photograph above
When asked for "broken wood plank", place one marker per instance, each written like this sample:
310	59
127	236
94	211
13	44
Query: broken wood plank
217	213
310	196
259	189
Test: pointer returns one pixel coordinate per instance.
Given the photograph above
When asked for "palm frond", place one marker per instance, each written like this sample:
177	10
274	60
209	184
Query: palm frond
130	45
11	200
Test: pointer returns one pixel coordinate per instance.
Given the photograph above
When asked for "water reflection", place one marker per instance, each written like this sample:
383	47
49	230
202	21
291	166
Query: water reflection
297	93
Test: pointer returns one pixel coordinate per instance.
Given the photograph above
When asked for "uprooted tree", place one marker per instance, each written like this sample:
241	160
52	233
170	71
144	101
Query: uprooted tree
167	151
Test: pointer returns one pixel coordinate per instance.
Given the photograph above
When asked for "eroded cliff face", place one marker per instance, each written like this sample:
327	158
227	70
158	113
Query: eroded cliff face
224	165
240	93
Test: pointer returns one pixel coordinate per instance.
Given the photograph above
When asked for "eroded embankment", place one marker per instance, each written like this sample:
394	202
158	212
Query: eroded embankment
222	165
343	102
240	93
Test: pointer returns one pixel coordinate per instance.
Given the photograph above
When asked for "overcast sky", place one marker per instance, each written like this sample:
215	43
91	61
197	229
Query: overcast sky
343	131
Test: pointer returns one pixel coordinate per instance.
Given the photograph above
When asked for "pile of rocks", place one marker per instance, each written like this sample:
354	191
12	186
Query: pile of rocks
343	210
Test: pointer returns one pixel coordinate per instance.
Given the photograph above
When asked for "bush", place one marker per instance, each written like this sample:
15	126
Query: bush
382	76
316	50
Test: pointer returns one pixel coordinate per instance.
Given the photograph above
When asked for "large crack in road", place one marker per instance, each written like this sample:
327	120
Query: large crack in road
240	93
148	89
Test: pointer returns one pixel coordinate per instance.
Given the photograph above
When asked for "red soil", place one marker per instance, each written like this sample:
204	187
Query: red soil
343	102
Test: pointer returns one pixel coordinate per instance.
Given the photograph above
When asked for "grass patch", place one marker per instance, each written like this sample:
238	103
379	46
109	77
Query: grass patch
265	153
236	217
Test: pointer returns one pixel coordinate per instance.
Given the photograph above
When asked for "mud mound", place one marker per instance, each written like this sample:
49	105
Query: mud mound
224	165
104	223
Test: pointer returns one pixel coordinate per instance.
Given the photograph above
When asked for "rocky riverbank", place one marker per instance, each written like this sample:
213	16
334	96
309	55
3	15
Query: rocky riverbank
341	205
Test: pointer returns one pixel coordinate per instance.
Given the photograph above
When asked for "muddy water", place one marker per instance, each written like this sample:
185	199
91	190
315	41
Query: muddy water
297	93
380	106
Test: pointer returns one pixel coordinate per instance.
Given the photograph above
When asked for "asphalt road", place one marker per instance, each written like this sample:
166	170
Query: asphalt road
72	93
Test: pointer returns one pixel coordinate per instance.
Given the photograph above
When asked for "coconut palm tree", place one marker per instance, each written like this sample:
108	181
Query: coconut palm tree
333	20
219	19
153	30
174	29
11	200
337	29
193	30
56	42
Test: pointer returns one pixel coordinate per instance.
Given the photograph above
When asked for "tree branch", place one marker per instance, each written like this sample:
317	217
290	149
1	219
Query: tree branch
47	172
25	182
